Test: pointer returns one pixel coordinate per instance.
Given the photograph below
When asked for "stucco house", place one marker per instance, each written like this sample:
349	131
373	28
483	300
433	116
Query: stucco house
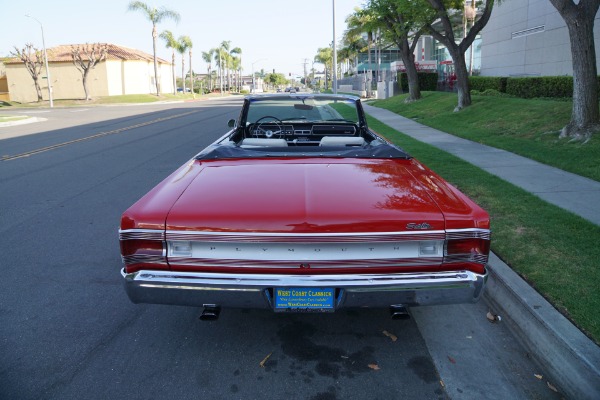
3	82
125	71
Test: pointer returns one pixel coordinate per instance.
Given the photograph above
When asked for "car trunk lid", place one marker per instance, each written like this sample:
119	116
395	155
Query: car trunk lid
307	197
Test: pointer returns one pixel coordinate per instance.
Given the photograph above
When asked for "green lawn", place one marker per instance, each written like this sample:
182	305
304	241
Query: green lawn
528	127
555	251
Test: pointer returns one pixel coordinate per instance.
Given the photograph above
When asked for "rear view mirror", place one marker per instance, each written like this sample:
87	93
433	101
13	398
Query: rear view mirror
303	107
231	123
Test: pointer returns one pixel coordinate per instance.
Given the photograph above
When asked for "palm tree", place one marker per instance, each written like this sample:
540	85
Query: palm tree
354	44
207	57
236	64
184	43
234	61
221	60
224	54
344	60
171	43
325	57
361	21
187	44
155	16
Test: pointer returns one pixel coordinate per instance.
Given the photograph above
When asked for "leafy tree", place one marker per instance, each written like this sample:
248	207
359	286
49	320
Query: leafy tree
171	43
579	17
275	79
325	57
403	22
445	34
85	58
34	61
156	16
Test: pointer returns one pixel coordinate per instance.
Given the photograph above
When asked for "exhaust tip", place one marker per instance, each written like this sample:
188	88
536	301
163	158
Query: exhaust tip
399	312
210	313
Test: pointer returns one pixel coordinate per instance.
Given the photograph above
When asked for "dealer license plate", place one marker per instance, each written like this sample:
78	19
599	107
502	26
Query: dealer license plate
309	299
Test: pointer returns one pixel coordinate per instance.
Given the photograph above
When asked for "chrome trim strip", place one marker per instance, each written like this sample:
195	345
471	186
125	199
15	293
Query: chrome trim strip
144	259
141	234
303	237
280	280
152	234
476	258
470	233
312	264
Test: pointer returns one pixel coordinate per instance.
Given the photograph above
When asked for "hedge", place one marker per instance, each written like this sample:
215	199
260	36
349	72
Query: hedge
543	86
427	81
483	83
526	87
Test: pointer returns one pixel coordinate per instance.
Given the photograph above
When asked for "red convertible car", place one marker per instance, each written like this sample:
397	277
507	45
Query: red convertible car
301	207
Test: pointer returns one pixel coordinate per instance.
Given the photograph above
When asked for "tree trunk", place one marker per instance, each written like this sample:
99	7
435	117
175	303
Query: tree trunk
173	73
585	117
191	76
370	73
38	89
154	35
408	58
85	85
210	80
183	73
462	81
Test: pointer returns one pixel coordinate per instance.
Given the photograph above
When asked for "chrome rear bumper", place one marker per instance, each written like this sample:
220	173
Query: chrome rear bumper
255	291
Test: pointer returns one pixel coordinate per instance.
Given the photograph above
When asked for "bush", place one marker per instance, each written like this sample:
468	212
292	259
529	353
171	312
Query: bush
427	81
542	86
483	83
490	92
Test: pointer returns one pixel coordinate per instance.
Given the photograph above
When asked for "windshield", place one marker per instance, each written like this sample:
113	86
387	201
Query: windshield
303	109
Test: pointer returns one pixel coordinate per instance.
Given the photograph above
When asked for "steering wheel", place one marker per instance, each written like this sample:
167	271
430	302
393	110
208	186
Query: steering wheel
268	133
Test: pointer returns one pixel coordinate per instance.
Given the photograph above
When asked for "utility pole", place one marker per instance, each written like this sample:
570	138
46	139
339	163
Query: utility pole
334	53
49	81
305	76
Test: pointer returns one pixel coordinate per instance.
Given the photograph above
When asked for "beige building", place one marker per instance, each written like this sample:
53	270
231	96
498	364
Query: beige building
3	83
125	71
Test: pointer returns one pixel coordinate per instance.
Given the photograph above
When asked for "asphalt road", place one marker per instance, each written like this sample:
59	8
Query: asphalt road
68	330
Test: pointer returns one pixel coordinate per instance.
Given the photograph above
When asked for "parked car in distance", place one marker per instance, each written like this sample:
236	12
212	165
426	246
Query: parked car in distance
300	207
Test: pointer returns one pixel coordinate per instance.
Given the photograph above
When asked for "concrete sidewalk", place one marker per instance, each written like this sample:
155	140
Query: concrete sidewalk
570	357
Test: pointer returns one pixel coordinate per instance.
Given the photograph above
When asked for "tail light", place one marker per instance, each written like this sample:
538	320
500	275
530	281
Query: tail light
470	249
139	252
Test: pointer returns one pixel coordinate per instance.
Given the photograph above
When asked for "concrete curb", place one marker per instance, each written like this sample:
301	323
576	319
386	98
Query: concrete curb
570	358
23	121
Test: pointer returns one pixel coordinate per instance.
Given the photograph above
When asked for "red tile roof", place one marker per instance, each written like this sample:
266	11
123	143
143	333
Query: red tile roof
63	54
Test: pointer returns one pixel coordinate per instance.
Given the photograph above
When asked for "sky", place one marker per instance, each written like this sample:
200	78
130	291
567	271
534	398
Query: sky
272	34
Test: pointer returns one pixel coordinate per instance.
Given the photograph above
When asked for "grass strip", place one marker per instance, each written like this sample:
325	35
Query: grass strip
555	251
528	127
10	118
121	99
